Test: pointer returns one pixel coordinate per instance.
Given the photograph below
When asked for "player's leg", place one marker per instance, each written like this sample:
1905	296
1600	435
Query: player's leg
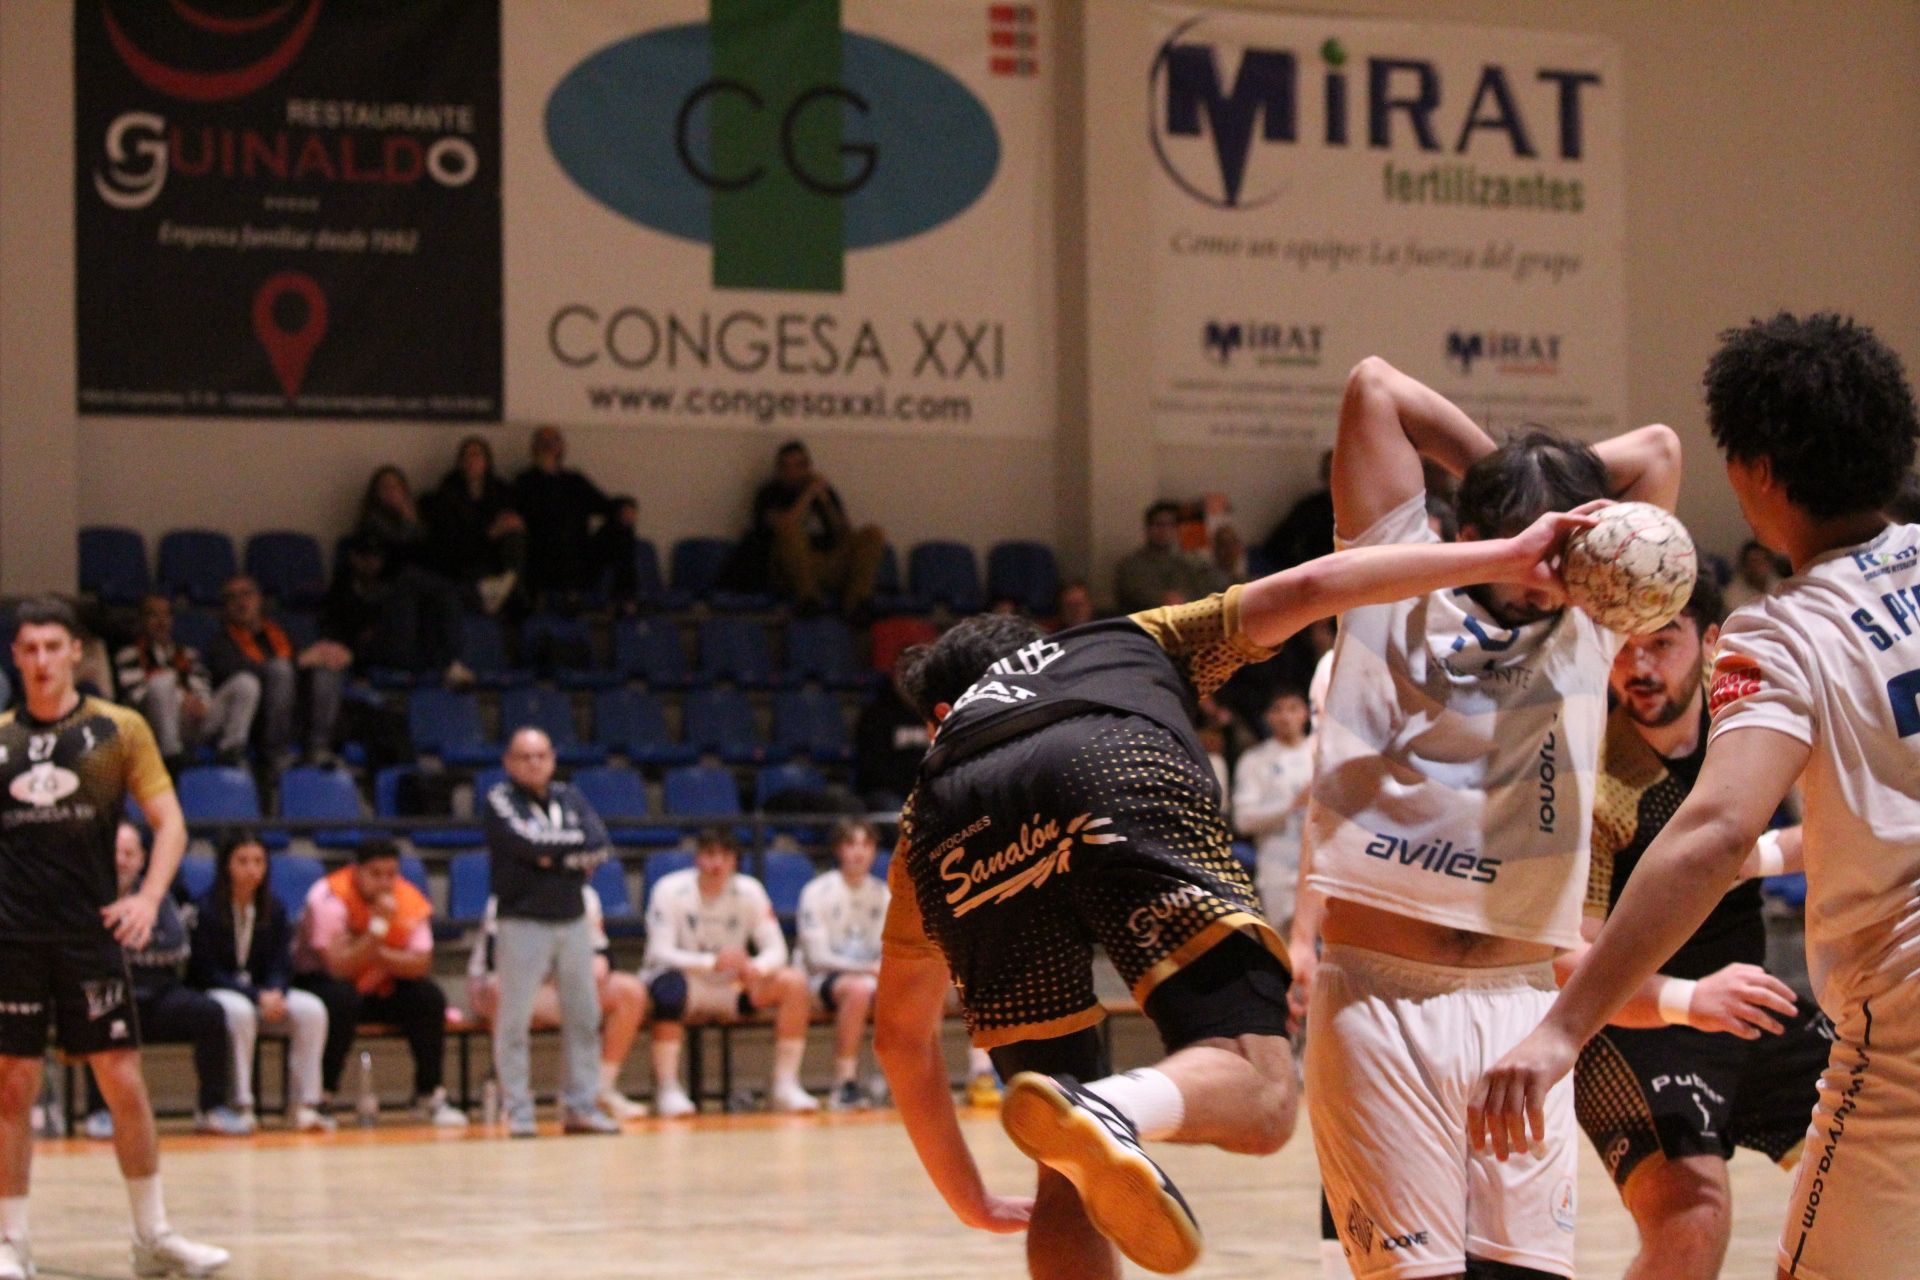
19	1086
669	993
623	1007
785	992
1062	1242
1684	1211
851	1005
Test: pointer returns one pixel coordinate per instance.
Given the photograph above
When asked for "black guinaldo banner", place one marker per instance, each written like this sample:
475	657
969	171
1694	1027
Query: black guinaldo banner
288	207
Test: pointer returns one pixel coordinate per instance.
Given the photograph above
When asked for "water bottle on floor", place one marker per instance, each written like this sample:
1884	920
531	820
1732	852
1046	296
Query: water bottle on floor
367	1108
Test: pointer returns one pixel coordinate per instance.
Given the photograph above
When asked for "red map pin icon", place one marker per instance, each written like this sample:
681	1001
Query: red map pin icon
290	349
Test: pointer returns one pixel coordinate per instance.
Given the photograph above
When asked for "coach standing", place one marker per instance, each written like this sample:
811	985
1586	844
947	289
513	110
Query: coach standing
545	840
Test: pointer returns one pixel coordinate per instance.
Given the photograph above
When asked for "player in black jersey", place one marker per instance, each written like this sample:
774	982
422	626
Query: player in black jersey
1067	805
67	765
1714	1052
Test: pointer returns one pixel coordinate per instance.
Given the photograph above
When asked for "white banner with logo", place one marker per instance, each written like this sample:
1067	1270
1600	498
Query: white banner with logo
818	214
1325	188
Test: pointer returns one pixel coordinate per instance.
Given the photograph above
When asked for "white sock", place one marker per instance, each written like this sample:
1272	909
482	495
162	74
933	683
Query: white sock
149	1209
666	1067
609	1076
786	1062
13	1218
1148	1098
979	1062
846	1070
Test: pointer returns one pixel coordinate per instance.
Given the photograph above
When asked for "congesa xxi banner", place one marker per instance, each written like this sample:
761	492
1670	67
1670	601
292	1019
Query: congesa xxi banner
799	214
288	207
1324	188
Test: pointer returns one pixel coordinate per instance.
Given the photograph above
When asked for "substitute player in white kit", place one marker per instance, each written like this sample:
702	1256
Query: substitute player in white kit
1821	678
1449	826
842	913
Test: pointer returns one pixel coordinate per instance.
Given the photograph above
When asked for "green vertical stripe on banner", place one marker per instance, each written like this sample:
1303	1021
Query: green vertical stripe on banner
774	232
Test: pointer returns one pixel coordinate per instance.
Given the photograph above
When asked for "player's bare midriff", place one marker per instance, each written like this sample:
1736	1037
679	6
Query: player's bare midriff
1353	924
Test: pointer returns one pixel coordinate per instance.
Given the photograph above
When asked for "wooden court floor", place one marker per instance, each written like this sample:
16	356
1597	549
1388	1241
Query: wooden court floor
724	1198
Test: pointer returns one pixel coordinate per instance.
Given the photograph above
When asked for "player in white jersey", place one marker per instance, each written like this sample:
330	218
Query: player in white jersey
1271	782
715	953
841	916
1815	681
1448	830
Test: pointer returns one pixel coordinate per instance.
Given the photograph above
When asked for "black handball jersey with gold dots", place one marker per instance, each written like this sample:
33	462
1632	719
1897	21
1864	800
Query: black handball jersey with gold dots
63	789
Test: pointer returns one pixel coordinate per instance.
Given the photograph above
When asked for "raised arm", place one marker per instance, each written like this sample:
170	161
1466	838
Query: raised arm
1389	423
1643	465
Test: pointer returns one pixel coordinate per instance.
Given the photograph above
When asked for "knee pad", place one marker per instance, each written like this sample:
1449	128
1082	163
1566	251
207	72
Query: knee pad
669	993
1486	1269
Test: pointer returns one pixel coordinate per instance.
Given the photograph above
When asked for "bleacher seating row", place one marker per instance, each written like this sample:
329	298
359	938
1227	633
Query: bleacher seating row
192	564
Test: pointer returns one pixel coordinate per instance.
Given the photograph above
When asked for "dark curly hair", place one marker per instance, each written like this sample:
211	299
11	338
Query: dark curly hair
931	674
1525	478
1821	399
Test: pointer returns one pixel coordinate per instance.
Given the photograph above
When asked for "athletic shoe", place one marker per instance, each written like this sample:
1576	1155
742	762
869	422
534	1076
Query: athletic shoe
1128	1198
879	1092
313	1120
620	1106
172	1254
16	1260
846	1096
791	1099
983	1091
522	1126
437	1111
224	1121
98	1126
595	1121
673	1103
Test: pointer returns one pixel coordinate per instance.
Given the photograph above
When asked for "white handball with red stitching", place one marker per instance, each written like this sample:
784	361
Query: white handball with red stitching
1633	570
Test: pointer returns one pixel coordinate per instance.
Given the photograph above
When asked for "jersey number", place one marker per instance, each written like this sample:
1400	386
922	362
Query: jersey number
1904	691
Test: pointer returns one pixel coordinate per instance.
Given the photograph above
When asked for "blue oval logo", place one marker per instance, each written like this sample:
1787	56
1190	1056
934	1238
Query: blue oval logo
634	126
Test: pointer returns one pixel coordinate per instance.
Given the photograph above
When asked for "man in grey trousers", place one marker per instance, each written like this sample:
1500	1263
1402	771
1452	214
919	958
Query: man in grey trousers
545	841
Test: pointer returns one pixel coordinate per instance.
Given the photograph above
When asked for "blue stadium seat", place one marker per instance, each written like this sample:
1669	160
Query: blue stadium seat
946	573
809	722
288	566
1245	854
483	647
301	625
447	724
113	564
658	865
775	779
620	799
697	565
616	901
291	876
721	721
889	597
322	793
414	872
881	862
194	562
1027	574
195	876
484	780
736	649
197	628
551	644
386	789
785	875
552	711
654	593
469	883
651	652
214	794
701	791
630	721
822	649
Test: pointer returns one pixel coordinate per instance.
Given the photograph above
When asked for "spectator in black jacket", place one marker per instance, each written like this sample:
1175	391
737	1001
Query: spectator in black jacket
170	1012
1306	531
477	536
408	620
801	528
545	841
559	506
243	958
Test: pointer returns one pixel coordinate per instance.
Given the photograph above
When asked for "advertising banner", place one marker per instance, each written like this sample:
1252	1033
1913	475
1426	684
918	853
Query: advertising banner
288	209
1326	188
788	214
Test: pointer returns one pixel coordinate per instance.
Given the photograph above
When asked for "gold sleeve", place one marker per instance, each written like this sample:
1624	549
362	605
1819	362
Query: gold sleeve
904	930
146	772
1204	638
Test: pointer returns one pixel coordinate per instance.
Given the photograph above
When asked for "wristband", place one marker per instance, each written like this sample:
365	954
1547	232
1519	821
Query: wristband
378	928
1769	859
1675	998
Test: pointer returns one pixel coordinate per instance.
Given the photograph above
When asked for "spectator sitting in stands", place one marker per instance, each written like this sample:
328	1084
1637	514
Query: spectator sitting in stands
1159	572
611	554
1229	561
407	620
1073	607
477	538
543	841
389	514
1306	531
1756	575
840	916
623	1001
1272	782
170	1012
559	506
890	740
364	945
171	687
249	642
715	953
243	958
811	548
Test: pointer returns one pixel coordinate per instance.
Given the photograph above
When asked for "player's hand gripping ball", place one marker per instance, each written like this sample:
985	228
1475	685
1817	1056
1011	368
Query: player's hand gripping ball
1633	570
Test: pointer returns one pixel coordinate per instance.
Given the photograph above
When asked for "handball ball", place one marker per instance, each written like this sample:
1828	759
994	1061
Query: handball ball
1633	570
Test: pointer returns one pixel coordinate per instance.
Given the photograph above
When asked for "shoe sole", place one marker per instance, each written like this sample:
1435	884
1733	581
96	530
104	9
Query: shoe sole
1120	1190
159	1271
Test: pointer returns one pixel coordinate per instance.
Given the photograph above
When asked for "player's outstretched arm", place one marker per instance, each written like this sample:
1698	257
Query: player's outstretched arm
1643	465
908	1006
1679	879
1389	422
1739	999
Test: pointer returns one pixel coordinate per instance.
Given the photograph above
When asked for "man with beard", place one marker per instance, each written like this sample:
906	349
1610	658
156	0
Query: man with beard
1712	1052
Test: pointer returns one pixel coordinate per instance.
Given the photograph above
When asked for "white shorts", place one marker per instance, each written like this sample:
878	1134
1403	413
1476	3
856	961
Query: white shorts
1858	1183
1394	1048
